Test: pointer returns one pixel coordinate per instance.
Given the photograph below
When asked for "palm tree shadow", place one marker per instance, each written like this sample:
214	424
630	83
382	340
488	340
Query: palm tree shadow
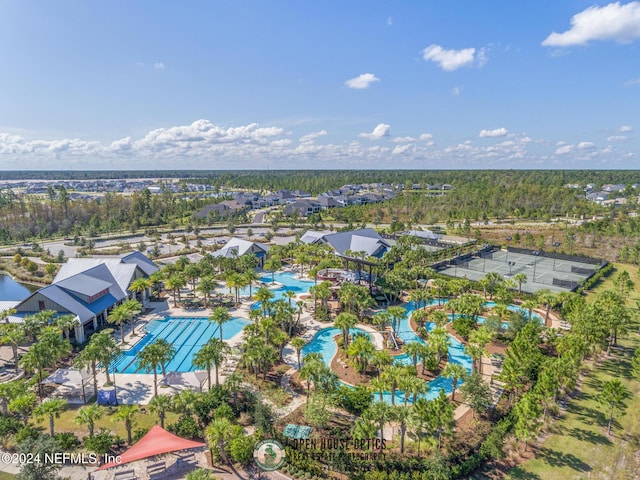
517	473
560	459
589	436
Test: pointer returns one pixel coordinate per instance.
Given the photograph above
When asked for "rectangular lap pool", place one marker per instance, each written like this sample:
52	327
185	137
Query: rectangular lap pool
187	334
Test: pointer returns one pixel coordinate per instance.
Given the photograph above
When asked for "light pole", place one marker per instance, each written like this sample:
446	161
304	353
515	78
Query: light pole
555	248
508	239
535	262
511	264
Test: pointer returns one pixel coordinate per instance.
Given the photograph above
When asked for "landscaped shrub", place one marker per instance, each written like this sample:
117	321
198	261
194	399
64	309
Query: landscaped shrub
355	400
185	427
100	443
67	440
463	325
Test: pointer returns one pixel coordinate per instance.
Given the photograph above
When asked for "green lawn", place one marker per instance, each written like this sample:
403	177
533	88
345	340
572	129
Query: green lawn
580	447
6	476
66	422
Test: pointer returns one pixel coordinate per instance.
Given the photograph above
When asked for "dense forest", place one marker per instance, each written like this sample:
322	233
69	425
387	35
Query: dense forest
476	196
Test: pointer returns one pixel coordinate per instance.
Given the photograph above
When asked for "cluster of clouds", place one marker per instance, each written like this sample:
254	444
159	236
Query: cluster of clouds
203	144
612	22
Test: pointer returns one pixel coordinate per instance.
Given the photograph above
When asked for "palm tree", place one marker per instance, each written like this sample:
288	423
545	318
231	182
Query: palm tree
220	431
401	415
548	299
439	317
220	316
493	279
521	279
205	286
397	314
126	414
159	405
233	383
393	375
166	351
22	405
362	350
211	354
65	323
150	358
413	350
88	416
420	317
174	283
12	334
455	372
51	408
186	402
139	286
298	343
119	315
133	308
613	395
106	350
364	429
251	276
345	321
378	412
272	265
264	296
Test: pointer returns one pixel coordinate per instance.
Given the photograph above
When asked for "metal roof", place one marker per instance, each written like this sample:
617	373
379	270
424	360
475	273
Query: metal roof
145	264
84	284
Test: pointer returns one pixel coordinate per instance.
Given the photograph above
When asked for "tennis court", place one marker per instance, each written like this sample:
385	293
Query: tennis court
558	273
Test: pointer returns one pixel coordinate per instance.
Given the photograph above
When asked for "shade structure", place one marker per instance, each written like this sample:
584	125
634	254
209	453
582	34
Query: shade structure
157	441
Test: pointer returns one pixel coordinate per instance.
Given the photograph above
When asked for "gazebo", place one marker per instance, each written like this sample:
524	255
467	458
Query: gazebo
157	441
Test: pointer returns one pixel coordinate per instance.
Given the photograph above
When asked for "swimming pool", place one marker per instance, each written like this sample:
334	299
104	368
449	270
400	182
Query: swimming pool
187	334
289	283
324	343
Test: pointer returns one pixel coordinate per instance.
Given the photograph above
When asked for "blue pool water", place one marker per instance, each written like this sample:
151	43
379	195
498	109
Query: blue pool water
187	334
289	282
324	343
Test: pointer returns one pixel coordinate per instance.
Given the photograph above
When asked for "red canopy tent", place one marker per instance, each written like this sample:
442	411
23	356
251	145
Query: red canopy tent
155	442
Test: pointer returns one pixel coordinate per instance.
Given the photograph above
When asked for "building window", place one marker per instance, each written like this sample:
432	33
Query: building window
41	305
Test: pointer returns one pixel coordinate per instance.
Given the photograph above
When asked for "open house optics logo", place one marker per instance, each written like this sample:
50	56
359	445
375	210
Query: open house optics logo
269	455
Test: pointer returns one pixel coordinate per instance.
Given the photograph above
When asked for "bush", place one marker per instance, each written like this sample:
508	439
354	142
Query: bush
67	441
186	427
463	325
9	426
138	433
100	443
355	400
27	432
241	449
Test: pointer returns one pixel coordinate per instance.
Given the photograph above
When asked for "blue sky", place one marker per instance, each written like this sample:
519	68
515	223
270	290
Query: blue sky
333	84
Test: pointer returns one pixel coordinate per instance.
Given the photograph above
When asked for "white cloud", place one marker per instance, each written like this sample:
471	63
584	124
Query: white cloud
402	149
564	150
362	81
625	128
390	21
205	145
310	137
158	66
403	139
457	90
285	142
450	60
616	22
382	130
633	81
496	132
616	138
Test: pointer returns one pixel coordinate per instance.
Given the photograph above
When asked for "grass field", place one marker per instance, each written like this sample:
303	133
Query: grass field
66	422
6	476
579	448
